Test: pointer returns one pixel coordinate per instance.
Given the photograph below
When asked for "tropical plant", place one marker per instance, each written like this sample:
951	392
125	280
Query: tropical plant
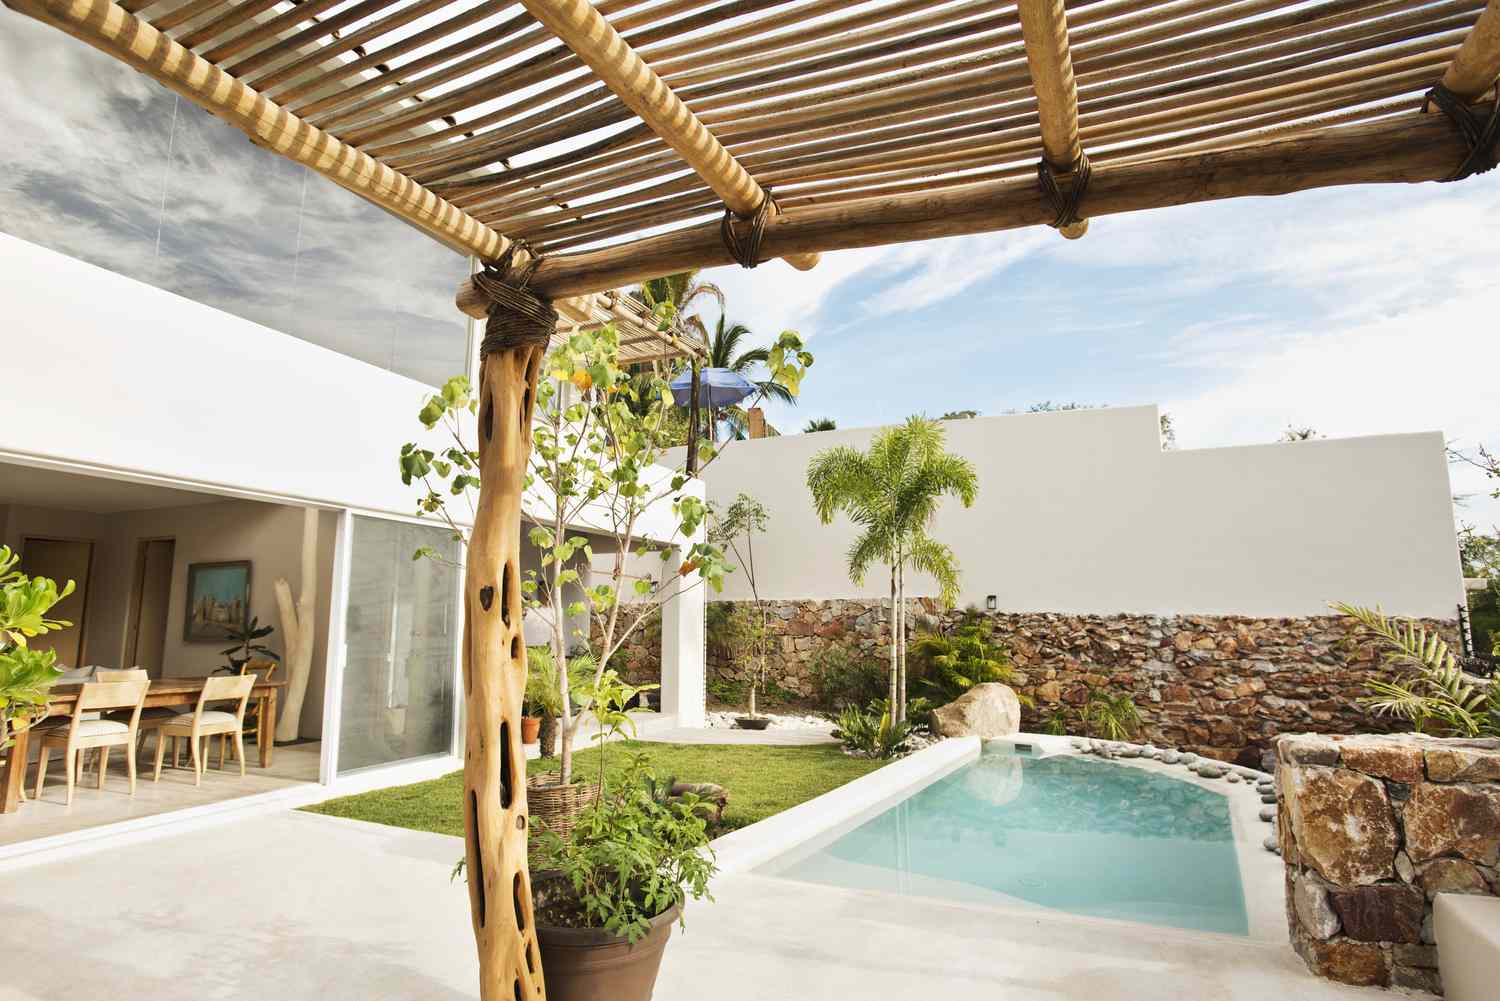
959	415
891	493
872	731
1110	715
1293	433
736	529
842	676
724	352
820	424
1056	722
1431	692
247	646
25	674
946	663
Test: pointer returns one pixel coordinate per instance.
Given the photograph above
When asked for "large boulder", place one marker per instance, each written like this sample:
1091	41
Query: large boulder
987	710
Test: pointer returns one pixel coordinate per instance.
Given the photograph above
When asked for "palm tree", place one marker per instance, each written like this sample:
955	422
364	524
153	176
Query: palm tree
668	298
892	493
820	424
723	352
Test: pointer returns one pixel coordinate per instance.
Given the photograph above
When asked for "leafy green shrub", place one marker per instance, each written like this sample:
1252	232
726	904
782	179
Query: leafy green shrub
25	674
1435	695
945	664
871	731
842	676
1056	722
1110	716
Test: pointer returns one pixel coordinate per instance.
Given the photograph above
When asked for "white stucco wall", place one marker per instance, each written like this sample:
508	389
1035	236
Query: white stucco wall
1083	512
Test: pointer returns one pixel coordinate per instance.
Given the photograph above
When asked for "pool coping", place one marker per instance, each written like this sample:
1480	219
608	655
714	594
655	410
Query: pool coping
751	846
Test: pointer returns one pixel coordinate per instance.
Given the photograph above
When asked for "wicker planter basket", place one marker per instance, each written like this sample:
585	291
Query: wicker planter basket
558	806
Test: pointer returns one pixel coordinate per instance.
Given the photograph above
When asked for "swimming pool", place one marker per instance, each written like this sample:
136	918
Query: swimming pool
1065	832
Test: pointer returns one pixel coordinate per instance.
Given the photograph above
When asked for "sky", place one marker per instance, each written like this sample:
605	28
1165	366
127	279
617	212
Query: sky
1353	311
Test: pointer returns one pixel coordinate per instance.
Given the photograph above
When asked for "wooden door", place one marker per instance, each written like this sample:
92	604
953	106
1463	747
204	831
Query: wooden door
62	560
152	594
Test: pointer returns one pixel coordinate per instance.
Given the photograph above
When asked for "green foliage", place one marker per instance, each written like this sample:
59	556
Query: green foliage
247	645
543	691
959	415
1110	715
820	424
1431	691
891	493
946	664
842	676
25	674
871	731
632	856
1056	722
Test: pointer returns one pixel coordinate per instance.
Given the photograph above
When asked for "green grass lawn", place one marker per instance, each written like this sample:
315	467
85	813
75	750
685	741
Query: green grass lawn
761	781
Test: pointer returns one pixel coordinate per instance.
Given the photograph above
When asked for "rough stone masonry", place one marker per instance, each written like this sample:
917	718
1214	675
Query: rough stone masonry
1220	686
1371	829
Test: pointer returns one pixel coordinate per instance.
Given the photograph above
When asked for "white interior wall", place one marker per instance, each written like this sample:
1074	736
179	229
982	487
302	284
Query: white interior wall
1083	512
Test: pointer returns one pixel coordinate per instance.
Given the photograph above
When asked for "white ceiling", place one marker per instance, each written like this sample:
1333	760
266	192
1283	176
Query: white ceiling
48	488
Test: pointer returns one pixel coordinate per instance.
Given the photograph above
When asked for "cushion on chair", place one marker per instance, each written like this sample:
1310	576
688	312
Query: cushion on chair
86	728
185	721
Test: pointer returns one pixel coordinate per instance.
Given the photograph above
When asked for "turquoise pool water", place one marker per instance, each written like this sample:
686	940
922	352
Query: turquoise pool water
1069	833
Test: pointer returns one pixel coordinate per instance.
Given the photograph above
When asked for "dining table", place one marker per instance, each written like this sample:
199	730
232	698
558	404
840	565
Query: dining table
163	693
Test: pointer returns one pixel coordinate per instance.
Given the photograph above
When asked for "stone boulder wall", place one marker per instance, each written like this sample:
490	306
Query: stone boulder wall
1372	828
987	710
1220	686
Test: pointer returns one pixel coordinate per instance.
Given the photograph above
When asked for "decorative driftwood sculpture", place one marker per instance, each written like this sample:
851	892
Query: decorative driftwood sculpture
299	627
494	651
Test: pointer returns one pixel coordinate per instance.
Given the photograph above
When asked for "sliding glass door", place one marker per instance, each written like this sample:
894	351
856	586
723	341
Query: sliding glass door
402	623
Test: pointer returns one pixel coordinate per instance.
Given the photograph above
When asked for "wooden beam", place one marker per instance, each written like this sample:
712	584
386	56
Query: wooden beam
1044	26
1403	150
1474	69
111	29
623	71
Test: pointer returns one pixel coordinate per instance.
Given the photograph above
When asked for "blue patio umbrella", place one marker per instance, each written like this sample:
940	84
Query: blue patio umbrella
717	387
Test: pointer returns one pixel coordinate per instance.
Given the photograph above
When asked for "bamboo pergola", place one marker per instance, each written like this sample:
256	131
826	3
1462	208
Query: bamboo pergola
641	342
577	147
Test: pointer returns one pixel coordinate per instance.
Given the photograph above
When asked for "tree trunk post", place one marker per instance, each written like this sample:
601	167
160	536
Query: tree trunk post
299	628
692	447
494	651
895	647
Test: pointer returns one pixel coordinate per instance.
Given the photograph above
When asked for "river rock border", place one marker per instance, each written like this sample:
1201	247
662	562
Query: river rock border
1250	779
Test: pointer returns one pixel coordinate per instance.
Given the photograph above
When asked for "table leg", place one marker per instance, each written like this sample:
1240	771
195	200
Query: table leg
265	736
15	773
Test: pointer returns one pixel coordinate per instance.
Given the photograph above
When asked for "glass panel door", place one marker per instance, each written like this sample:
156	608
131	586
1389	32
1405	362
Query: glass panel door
401	637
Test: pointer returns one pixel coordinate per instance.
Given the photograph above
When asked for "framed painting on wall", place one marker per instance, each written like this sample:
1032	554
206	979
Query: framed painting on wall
218	600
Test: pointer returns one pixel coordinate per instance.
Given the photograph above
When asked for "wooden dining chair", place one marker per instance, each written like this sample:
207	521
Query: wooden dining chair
111	675
77	734
196	727
263	669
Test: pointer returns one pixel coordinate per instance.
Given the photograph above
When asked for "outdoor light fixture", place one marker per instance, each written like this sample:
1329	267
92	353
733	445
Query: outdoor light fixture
990	603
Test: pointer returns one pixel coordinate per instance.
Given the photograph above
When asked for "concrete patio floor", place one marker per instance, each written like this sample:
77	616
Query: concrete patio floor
292	906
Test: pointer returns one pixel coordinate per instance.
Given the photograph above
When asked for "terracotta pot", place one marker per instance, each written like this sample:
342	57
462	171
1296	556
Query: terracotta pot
590	964
752	722
531	726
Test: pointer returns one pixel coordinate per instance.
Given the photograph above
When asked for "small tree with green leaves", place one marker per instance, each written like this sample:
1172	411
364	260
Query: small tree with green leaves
736	529
25	674
891	492
598	438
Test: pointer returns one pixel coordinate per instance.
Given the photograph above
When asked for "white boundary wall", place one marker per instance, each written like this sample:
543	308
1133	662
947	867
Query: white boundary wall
1083	512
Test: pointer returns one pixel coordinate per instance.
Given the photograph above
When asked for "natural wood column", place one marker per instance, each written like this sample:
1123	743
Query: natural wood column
1044	26
623	71
494	678
1474	69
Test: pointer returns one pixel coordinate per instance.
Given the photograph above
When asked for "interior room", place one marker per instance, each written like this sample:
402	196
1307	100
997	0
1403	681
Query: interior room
163	579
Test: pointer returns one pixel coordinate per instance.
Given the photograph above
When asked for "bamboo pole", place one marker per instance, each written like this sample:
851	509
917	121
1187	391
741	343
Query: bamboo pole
494	678
110	29
621	69
1044	26
1474	69
1406	150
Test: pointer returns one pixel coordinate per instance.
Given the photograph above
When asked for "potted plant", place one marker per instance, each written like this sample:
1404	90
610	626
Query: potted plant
606	897
543	700
247	645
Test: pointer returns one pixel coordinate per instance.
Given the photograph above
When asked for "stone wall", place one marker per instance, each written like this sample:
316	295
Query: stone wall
1371	828
1221	686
